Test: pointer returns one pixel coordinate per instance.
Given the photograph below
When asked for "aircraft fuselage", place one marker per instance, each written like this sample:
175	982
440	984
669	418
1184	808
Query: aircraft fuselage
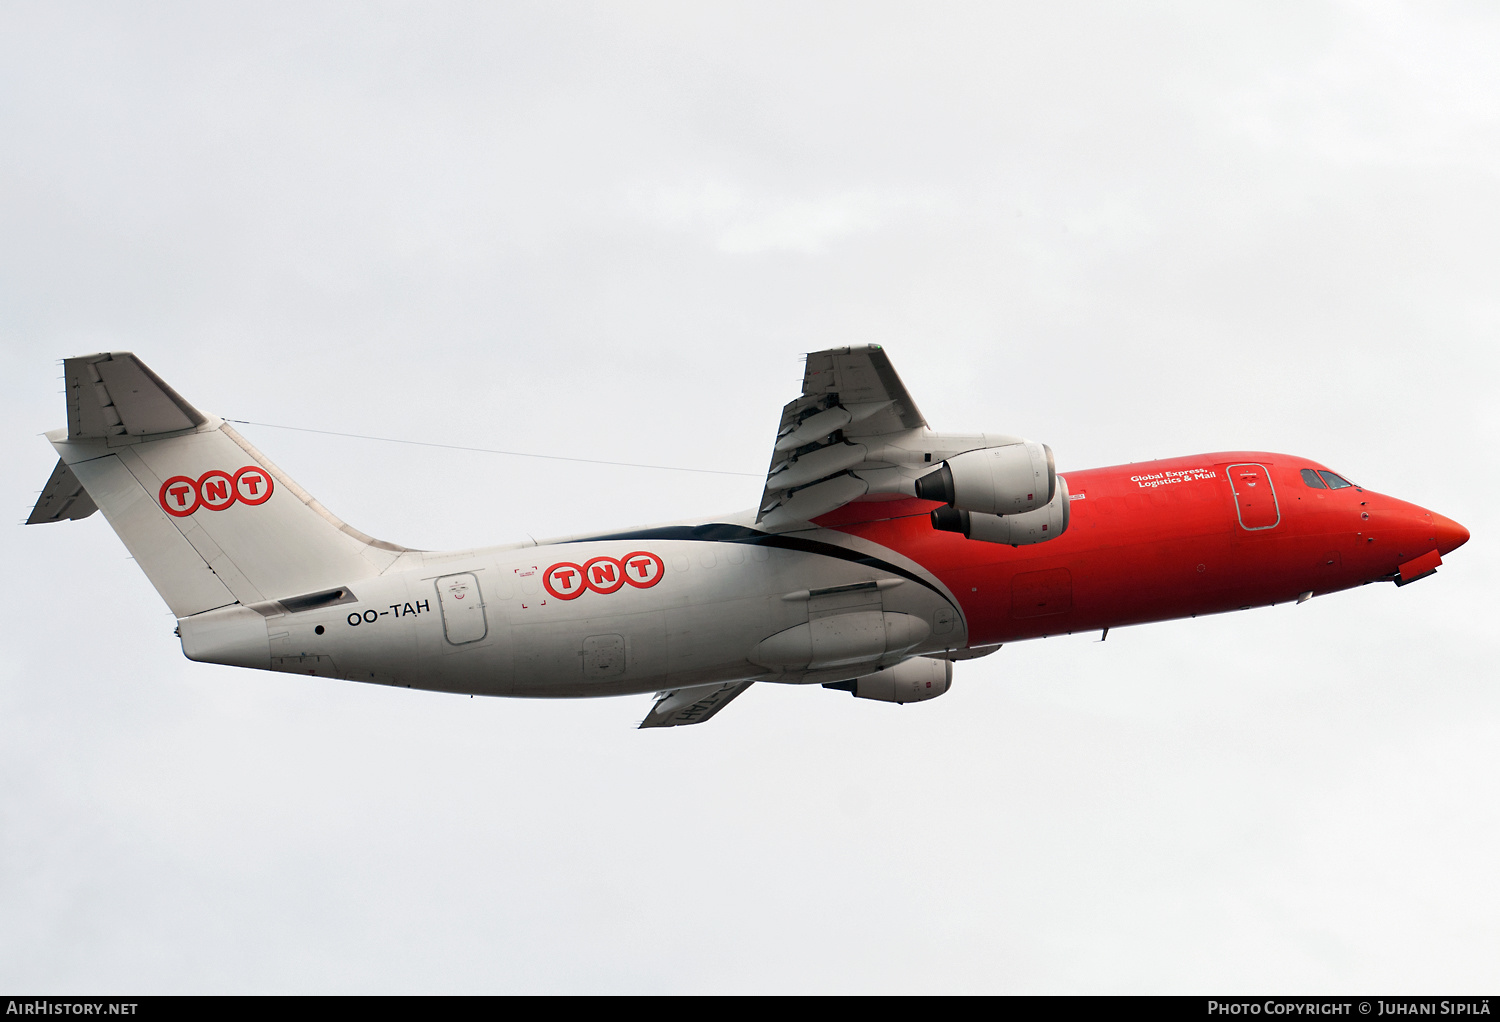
874	583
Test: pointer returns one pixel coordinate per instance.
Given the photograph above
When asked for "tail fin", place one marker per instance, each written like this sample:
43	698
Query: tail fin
208	518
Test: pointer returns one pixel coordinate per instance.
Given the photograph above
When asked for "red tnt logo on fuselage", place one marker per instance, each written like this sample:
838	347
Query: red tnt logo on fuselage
216	490
603	575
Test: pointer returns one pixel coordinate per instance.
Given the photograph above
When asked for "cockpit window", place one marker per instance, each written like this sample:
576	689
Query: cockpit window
1311	479
1335	482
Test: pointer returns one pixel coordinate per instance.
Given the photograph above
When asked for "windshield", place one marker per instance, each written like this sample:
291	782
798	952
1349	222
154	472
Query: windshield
1334	481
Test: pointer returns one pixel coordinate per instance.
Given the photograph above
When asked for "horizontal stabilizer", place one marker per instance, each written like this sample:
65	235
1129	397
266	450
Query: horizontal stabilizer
114	394
692	705
63	498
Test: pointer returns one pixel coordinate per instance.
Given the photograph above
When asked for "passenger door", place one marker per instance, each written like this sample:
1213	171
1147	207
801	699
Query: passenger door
1254	497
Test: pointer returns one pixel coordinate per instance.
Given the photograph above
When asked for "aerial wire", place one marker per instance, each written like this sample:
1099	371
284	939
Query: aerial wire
491	450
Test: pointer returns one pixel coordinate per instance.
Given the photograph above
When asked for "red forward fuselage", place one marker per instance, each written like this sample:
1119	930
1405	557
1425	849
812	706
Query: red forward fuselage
1167	539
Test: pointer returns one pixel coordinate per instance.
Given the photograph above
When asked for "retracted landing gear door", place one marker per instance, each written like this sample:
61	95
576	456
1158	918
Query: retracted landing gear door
463	608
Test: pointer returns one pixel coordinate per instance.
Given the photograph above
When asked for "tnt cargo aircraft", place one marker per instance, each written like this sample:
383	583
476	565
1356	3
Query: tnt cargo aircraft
880	553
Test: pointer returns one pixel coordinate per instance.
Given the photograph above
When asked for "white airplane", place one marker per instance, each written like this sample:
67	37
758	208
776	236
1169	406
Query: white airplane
880	553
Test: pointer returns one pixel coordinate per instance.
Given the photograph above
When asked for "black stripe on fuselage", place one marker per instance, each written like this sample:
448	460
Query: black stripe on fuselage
723	533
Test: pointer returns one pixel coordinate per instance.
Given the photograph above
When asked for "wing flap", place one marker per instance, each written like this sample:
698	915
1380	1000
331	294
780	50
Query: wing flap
806	504
692	705
851	398
854	431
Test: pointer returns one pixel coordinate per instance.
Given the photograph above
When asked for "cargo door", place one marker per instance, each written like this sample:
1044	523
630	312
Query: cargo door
1041	593
462	607
1254	497
603	656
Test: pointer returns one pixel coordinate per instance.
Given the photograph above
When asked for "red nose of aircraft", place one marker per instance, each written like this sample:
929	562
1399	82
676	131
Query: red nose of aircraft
1448	533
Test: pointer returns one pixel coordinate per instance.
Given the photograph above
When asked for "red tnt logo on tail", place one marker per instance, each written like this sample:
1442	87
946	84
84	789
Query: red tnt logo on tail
216	490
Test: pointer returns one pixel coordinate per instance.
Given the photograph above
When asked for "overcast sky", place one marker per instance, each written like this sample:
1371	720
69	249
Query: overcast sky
611	231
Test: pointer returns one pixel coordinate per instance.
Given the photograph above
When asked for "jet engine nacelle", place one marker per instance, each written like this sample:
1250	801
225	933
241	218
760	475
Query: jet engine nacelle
1046	522
910	681
995	481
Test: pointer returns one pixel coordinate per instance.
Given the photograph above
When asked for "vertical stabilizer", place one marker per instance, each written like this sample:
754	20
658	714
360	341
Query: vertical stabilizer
209	519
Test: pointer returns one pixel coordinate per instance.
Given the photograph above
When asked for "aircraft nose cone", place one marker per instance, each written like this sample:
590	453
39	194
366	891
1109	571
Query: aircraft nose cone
1449	534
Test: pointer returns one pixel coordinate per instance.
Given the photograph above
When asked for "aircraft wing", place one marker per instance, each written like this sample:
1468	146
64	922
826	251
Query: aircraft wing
692	705
851	401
